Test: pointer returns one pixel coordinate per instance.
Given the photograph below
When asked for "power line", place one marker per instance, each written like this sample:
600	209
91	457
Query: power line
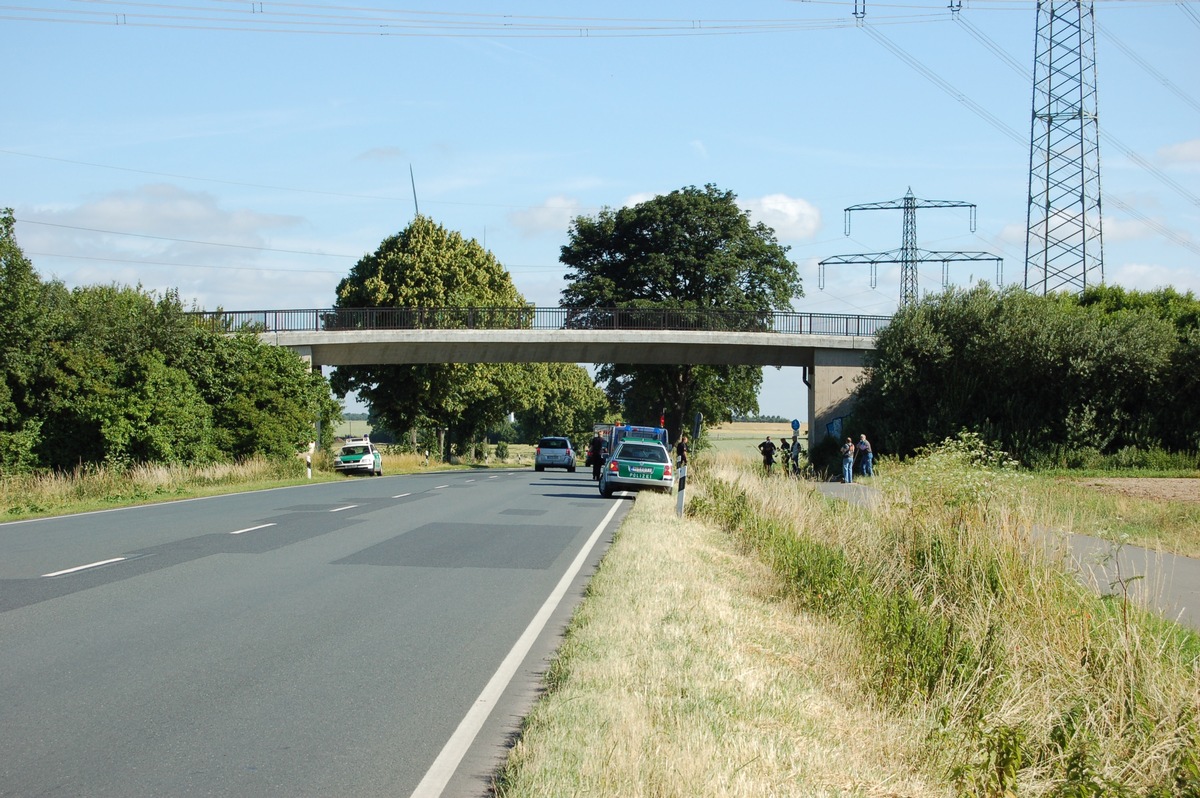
1160	77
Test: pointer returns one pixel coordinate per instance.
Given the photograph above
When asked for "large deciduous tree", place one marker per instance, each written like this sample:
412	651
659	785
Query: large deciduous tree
427	266
692	249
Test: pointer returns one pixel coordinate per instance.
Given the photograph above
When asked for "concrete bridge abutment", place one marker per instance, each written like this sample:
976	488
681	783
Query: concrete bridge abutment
833	382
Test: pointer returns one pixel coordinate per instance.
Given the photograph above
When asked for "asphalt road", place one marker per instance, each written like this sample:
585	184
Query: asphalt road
326	640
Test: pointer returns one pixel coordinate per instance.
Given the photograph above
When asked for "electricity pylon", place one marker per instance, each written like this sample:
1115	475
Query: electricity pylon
908	256
1064	245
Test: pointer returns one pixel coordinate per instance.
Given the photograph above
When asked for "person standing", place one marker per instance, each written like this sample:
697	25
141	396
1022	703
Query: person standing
768	454
681	450
595	455
848	461
866	456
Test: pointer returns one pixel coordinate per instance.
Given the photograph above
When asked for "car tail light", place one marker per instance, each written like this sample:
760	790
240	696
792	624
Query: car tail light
667	470
612	466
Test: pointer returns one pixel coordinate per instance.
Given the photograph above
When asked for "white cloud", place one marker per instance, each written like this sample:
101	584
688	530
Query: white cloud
163	237
791	217
552	216
639	198
698	147
1185	152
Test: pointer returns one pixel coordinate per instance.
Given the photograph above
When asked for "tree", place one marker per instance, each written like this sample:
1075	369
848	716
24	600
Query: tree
692	249
427	266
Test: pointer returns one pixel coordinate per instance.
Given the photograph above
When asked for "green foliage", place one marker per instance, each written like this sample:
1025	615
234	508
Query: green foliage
690	249
1102	372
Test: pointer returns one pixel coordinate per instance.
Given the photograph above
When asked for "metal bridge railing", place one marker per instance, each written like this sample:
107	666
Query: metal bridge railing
532	318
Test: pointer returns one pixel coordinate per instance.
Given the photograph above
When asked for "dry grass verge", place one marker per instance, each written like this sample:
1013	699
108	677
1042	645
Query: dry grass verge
685	673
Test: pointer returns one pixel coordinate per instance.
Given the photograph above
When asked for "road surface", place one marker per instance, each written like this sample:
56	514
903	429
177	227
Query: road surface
314	641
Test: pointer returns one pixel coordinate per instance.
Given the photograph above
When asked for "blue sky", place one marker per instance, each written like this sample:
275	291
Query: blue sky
248	154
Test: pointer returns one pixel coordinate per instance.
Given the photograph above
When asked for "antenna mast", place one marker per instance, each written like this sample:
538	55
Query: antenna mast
416	208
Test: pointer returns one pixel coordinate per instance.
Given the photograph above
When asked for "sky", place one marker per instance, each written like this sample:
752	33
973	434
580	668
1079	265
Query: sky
247	154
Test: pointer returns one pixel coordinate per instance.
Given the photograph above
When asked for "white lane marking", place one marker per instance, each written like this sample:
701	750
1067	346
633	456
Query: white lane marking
401	495
439	487
493	476
251	528
84	567
468	481
439	773
347	507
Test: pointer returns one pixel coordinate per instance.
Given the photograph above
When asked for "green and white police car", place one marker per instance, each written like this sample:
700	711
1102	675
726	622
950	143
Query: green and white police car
637	464
358	456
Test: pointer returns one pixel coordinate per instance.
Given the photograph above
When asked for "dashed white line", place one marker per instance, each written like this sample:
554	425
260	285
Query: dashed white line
439	487
493	476
251	528
84	567
401	495
347	507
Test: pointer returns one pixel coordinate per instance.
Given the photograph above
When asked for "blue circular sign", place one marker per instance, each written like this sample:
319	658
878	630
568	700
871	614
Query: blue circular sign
795	423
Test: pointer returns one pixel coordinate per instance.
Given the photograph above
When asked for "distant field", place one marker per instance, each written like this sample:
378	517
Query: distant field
744	436
352	429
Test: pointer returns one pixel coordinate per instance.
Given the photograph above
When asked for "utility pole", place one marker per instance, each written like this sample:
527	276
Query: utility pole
1064	244
908	256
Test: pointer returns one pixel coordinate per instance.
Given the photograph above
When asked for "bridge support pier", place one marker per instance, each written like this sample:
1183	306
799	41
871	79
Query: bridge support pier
833	381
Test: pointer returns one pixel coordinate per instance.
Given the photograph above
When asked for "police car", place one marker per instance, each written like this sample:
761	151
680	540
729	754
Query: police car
358	456
637	463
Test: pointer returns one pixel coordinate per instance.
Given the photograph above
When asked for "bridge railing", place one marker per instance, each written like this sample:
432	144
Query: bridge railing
533	318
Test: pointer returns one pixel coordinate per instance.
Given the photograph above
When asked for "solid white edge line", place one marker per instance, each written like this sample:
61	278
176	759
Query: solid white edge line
347	507
442	769
252	528
84	567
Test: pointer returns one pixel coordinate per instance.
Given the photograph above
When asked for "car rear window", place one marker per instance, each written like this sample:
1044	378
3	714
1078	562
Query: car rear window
645	452
355	450
554	443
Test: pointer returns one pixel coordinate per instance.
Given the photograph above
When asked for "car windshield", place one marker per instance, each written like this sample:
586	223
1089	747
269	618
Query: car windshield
645	452
554	443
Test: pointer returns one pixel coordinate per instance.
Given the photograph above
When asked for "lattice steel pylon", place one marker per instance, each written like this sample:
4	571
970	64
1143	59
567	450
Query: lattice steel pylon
908	256
1064	245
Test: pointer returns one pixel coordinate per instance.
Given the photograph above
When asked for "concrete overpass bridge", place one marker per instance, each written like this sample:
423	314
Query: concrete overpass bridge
829	347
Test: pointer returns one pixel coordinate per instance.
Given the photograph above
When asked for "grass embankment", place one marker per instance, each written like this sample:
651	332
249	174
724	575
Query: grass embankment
783	644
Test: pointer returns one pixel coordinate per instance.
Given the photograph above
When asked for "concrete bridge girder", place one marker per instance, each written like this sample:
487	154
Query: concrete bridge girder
834	363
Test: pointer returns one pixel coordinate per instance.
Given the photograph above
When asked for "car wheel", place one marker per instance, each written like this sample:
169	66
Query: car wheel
539	468
605	489
571	469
